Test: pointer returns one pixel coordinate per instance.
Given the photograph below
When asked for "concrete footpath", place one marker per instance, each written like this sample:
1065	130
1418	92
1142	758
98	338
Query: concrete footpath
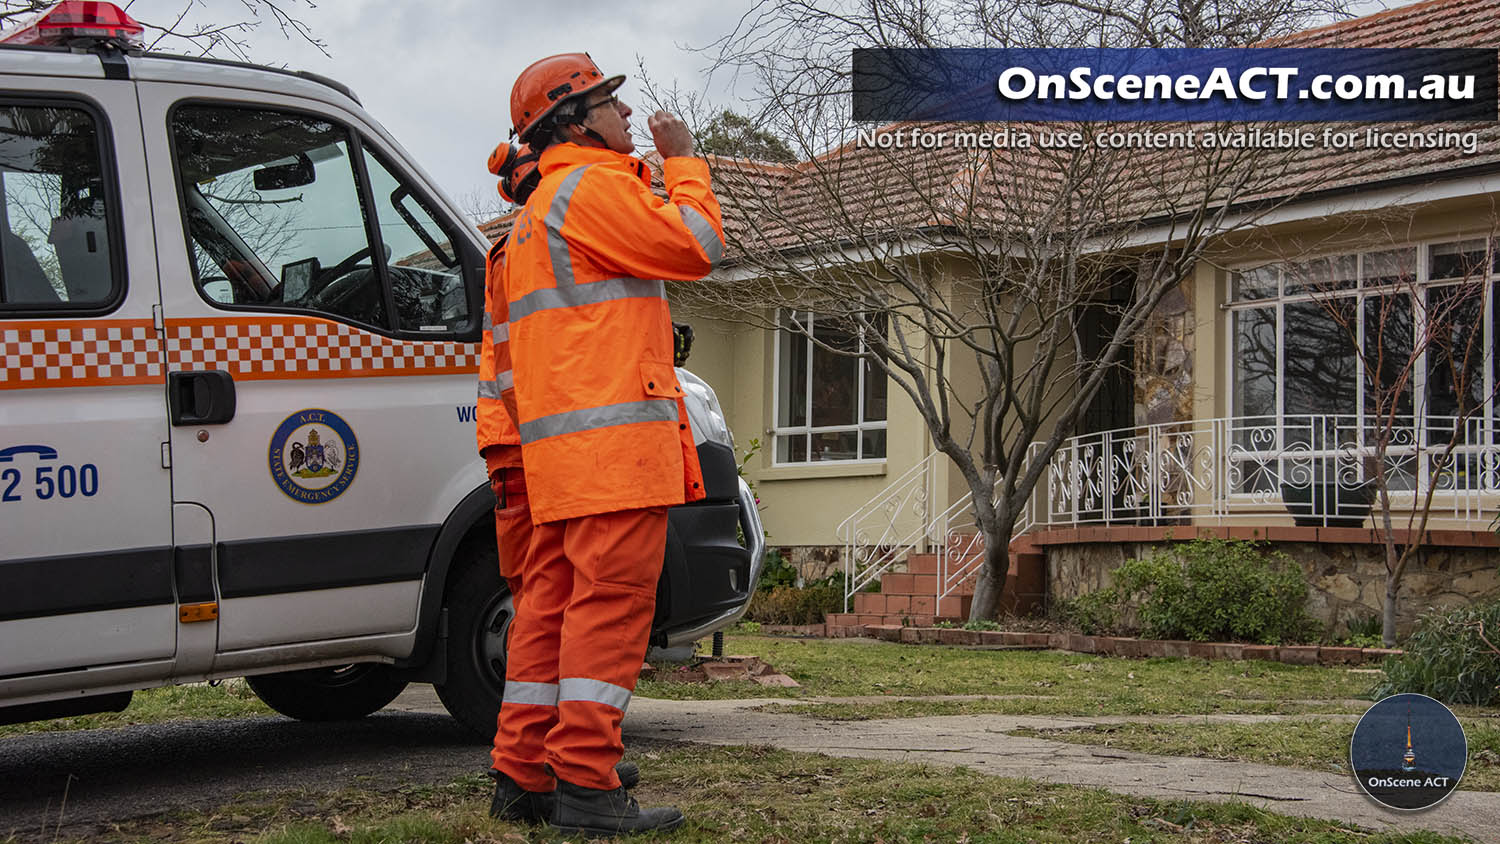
980	742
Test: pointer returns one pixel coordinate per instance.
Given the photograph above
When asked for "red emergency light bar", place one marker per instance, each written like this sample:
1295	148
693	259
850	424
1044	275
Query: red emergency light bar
72	21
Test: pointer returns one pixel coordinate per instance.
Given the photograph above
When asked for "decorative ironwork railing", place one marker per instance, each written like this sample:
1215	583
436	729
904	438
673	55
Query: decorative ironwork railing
1321	469
880	534
888	527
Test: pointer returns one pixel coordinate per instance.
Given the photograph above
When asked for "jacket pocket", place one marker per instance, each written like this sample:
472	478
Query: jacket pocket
659	380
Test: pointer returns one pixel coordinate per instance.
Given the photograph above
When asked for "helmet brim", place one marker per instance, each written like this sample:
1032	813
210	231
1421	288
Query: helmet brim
608	84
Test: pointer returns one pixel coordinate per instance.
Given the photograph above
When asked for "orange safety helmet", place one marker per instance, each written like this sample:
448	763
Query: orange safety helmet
548	83
517	168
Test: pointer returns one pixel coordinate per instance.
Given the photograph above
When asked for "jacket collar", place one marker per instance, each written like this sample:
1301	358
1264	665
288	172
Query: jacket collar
567	156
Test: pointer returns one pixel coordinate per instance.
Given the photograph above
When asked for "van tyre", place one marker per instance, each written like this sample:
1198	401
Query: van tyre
480	611
338	693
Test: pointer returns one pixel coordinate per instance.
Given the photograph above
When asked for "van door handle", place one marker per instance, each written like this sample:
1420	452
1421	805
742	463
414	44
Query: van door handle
200	398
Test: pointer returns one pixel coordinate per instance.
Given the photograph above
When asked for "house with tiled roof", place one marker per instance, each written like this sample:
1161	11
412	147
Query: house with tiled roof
1238	414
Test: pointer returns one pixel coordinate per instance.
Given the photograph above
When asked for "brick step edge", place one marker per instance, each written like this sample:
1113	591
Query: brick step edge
1110	645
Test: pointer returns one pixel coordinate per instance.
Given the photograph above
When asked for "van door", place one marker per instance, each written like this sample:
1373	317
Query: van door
86	578
315	313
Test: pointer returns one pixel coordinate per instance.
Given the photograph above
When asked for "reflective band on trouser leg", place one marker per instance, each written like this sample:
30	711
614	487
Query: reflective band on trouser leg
616	560
540	586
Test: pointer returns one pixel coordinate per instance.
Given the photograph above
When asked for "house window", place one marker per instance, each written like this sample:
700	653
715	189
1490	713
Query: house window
830	397
1298	378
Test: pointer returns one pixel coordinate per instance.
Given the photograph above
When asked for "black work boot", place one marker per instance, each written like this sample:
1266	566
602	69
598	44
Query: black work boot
513	803
599	812
629	774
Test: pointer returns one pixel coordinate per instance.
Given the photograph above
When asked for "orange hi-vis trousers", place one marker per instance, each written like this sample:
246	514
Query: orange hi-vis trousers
585	597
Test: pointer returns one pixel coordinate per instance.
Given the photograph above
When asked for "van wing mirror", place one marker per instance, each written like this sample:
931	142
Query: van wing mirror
293	174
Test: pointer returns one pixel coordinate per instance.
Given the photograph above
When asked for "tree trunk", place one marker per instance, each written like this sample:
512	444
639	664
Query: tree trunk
1388	613
991	583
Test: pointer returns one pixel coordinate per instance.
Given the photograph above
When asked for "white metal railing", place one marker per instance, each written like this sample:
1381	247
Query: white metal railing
879	534
889	526
962	550
1319	468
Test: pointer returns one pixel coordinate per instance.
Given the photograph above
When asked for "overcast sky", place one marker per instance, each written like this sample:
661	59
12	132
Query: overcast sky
438	73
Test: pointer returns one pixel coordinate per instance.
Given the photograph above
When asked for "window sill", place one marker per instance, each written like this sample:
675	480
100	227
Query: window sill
821	470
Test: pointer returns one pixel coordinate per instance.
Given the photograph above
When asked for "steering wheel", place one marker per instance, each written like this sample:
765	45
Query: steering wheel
325	289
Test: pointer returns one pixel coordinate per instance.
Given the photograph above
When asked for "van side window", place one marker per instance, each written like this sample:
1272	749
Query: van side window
273	212
422	262
55	214
277	218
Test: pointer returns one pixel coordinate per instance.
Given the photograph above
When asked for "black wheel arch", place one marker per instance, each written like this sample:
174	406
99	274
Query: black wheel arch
473	520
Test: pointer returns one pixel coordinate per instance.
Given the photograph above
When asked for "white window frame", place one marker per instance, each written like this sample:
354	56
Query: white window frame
859	428
1488	418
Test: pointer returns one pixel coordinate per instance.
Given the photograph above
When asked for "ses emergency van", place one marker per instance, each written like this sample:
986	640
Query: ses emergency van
239	334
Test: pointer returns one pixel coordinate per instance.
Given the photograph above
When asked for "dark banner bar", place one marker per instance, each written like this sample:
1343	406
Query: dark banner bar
1176	85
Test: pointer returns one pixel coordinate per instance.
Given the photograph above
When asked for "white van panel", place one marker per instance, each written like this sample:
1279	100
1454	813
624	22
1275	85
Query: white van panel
324	614
31	645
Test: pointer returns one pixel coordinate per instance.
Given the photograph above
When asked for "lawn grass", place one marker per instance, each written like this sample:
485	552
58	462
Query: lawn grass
230	699
1024	683
1314	744
1052	682
759	794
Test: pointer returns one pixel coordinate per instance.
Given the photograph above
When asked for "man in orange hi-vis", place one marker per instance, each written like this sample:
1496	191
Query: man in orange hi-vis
603	429
500	446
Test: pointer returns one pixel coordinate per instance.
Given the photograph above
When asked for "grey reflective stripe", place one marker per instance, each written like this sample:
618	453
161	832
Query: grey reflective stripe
607	290
588	419
501	333
593	691
488	323
704	231
536	694
503	381
557	213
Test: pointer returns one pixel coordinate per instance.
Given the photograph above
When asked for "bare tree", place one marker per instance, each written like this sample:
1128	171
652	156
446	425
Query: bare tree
221	28
1413	438
964	255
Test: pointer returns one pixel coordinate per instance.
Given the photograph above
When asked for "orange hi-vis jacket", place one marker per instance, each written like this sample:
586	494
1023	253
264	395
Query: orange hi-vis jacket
602	422
494	425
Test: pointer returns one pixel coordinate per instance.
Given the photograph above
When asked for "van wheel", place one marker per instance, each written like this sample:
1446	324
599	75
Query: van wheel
339	693
480	611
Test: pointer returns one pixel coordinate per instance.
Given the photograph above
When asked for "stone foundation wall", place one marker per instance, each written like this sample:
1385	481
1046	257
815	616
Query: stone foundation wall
1346	581
813	562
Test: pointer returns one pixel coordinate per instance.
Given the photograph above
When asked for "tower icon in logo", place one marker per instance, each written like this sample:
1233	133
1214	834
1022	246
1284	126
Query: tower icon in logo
1383	752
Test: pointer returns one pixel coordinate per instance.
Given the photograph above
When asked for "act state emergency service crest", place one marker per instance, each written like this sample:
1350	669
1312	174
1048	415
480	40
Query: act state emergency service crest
313	456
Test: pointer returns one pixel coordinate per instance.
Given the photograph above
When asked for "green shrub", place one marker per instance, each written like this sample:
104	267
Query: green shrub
1094	613
776	571
1204	590
1445	658
791	605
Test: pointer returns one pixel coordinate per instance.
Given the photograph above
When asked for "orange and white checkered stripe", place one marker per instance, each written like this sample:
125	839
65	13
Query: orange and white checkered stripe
113	352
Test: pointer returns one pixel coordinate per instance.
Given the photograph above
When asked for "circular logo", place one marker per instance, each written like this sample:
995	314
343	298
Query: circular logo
313	456
1408	752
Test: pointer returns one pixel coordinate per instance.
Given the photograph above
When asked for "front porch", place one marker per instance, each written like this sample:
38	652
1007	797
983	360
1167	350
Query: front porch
1305	484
